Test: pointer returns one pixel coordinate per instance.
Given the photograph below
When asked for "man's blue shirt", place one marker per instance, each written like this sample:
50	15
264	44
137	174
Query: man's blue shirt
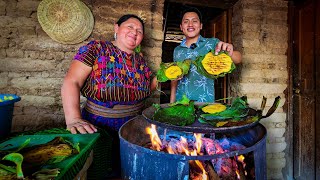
196	86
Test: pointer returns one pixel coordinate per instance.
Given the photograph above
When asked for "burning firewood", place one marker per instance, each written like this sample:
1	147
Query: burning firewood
241	172
197	171
211	173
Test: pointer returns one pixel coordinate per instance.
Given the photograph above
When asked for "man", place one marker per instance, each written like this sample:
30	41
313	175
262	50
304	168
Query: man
196	86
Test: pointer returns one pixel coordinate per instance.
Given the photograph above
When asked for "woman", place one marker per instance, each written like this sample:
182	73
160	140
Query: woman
114	79
196	86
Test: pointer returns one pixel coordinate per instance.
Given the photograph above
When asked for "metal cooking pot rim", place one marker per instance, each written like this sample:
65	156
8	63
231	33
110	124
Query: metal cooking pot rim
196	127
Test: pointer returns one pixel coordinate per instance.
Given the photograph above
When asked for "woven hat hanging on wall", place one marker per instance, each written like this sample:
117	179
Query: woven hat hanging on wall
65	21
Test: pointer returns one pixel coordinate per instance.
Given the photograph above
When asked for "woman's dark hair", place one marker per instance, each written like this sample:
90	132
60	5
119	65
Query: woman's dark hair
191	9
124	18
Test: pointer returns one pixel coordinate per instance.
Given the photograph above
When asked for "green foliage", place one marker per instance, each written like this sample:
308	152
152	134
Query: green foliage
180	114
17	158
236	110
238	113
184	101
184	65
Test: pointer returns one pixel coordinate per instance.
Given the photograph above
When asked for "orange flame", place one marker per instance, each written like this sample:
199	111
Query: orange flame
238	174
204	173
155	140
240	158
170	150
198	142
182	147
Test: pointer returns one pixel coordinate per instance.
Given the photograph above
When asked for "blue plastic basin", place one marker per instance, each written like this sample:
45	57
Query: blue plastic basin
6	111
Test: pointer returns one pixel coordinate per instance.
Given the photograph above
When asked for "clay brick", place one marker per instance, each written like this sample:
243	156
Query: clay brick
33	82
14	53
37	101
252	12
4	42
4	80
263	58
276	163
248	43
276	132
26	65
262	88
3	54
275	174
2	8
27	32
26	7
265	73
30	110
31	54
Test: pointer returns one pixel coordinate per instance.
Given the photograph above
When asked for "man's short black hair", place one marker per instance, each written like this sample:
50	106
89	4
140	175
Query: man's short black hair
191	9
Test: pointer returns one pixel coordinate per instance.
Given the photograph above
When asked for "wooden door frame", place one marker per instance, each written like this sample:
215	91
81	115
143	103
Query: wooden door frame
289	96
317	59
289	169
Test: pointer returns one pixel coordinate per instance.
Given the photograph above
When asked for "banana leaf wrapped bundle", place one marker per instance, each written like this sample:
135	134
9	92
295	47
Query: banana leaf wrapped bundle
52	152
180	113
238	113
31	159
214	66
173	70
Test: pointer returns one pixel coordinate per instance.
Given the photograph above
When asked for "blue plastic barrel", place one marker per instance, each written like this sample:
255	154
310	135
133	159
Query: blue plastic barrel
6	111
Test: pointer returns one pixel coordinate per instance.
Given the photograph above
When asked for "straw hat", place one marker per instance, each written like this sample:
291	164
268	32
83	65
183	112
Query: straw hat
65	21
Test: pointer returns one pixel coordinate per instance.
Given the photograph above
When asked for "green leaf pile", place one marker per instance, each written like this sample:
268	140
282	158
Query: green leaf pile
181	113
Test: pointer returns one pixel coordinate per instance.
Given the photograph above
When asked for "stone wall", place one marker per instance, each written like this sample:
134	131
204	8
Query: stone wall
33	66
260	28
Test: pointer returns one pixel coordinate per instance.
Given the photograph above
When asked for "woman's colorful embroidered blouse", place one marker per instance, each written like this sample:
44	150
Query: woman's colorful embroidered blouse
116	75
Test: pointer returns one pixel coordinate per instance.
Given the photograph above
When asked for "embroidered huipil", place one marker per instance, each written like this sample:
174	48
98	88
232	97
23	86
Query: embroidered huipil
117	78
116	75
196	86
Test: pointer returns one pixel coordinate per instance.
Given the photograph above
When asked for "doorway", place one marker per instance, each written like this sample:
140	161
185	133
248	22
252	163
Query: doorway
304	90
215	24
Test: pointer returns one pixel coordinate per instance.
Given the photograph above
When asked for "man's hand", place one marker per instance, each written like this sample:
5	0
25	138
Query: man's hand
222	46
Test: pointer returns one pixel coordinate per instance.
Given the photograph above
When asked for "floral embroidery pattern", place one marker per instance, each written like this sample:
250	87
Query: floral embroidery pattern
116	75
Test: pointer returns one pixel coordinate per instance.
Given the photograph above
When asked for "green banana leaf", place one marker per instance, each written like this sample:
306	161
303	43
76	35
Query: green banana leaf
184	65
176	114
16	158
252	115
238	109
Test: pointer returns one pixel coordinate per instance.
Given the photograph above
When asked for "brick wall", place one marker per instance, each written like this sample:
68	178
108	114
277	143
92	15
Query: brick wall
260	31
33	66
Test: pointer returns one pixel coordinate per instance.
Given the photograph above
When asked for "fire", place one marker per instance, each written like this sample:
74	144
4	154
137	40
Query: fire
238	174
198	145
198	142
240	158
181	147
155	140
204	173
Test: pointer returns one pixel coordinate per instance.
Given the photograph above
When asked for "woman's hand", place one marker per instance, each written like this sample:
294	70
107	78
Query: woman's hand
82	126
